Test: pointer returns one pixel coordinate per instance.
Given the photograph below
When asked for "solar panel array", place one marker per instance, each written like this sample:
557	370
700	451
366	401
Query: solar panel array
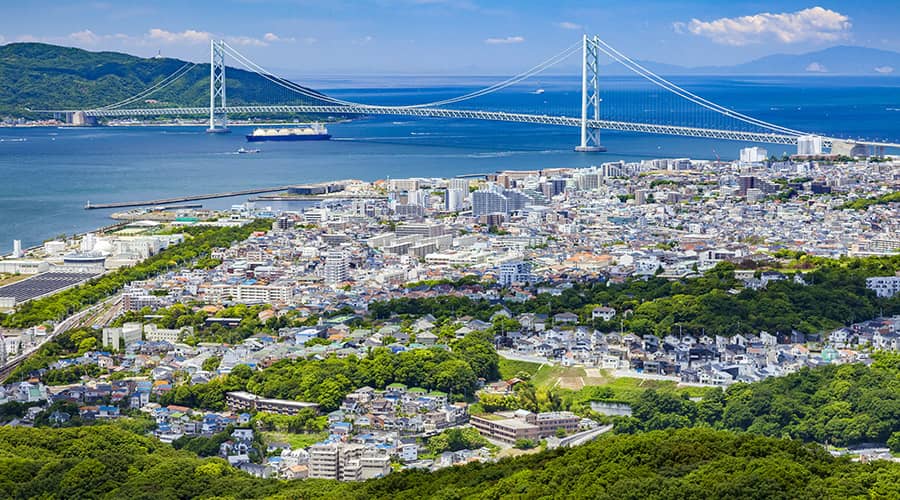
42	284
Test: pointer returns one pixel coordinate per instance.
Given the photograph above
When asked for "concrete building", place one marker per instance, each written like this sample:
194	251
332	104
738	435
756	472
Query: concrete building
245	401
486	202
251	294
23	266
510	426
154	333
128	334
455	200
809	145
337	267
503	427
347	462
516	272
884	286
754	155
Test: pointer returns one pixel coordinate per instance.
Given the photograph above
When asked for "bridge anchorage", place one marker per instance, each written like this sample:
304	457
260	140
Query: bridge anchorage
665	108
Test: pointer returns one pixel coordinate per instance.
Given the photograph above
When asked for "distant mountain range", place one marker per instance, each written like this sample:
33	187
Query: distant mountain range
43	76
840	60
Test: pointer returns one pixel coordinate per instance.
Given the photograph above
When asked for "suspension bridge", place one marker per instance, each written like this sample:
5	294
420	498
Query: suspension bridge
662	108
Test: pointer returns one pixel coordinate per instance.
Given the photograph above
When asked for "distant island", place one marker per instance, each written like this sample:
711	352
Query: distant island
43	76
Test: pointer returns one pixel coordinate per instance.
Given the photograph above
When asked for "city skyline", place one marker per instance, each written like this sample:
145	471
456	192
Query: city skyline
449	36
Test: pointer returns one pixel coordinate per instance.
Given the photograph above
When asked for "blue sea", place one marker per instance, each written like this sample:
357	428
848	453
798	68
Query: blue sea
48	174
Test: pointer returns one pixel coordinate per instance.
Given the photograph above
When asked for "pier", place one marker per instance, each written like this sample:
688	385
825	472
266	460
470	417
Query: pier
181	199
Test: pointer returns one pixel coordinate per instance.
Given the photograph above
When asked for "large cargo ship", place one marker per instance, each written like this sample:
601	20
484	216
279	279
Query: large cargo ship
314	132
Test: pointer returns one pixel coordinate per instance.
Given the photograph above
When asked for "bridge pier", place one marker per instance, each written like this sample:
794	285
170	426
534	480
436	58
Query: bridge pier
590	98
218	118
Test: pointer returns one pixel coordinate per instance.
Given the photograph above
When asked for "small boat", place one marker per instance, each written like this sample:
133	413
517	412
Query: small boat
538	92
244	151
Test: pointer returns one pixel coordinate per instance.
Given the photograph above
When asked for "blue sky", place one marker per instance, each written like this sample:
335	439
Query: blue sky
308	37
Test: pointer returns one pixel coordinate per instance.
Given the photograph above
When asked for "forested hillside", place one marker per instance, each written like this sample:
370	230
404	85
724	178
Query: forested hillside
43	76
107	462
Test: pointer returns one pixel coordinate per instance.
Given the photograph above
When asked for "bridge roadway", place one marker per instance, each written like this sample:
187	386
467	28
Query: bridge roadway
762	137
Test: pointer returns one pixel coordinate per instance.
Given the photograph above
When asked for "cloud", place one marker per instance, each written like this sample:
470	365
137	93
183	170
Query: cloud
815	24
507	40
246	41
187	36
815	67
86	37
567	25
272	37
884	70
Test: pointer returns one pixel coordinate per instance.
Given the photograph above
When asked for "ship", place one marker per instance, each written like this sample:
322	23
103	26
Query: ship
242	151
314	132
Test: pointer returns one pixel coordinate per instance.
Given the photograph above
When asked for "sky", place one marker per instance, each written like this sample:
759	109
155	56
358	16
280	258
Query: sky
348	37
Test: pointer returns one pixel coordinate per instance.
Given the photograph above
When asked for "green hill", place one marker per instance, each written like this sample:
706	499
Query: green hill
43	76
107	462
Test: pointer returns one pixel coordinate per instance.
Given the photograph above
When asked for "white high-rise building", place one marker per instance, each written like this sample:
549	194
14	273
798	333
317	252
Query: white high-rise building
486	202
461	184
337	267
809	145
754	155
455	199
17	249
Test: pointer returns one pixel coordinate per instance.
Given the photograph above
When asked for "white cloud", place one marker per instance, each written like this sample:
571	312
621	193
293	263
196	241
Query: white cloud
815	67
187	36
86	37
815	24
246	41
884	70
272	37
507	40
568	25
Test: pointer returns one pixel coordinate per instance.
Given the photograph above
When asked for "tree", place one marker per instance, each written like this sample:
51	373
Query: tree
211	363
894	442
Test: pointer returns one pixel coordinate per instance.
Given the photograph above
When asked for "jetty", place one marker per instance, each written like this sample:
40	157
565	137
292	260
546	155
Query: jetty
182	199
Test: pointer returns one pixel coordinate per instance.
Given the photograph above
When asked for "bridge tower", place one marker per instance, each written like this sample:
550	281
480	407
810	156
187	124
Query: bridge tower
218	119
590	97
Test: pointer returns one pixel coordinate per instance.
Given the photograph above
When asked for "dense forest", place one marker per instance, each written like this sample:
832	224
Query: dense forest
43	76
107	462
835	294
835	404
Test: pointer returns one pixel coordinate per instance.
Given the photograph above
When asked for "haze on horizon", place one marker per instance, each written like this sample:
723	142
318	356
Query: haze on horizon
451	36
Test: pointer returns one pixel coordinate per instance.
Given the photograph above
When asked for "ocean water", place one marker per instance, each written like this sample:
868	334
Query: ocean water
48	174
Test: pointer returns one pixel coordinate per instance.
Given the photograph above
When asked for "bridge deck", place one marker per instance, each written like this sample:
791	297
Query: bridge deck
567	121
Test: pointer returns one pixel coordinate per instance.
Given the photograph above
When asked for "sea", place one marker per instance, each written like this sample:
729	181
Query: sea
47	174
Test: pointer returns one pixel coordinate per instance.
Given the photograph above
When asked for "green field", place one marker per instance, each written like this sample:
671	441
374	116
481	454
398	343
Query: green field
582	380
295	440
